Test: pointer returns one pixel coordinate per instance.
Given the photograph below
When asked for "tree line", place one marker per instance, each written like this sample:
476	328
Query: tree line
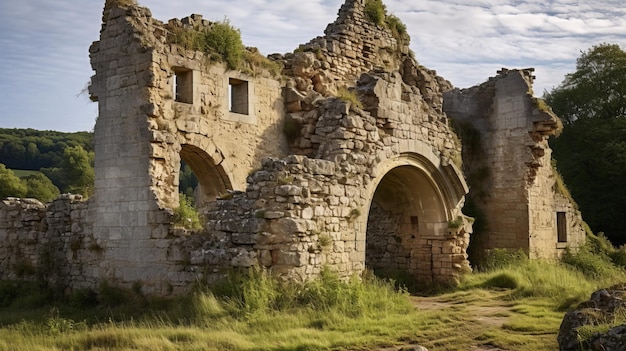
590	153
63	161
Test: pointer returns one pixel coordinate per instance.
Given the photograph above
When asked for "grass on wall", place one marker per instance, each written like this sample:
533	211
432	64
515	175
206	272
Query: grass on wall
222	42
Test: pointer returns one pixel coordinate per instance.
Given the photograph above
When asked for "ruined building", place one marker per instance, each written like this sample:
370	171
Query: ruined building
344	158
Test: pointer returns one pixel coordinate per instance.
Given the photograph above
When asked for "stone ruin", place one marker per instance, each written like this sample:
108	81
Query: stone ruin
291	177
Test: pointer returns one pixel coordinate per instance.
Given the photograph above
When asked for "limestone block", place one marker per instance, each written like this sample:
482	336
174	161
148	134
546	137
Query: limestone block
244	238
244	258
287	226
296	259
321	167
288	190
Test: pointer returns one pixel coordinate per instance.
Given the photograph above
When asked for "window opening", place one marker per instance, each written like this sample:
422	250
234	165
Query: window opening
238	96
415	223
561	227
183	85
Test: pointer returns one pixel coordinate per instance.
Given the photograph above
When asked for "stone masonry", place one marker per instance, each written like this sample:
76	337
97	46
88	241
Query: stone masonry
291	177
508	163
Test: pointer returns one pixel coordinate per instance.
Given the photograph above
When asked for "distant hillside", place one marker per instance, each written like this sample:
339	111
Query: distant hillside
30	149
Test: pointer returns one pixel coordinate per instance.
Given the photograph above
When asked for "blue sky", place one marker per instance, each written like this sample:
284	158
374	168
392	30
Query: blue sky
44	59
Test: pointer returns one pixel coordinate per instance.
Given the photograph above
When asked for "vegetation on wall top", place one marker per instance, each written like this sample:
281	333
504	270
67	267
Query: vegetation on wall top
222	42
376	12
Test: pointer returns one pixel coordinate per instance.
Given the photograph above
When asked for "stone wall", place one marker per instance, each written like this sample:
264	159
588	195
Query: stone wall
508	162
346	160
52	241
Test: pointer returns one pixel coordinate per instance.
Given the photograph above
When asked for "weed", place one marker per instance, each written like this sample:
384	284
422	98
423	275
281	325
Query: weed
225	40
349	96
186	215
456	223
398	28
254	59
601	324
560	186
83	298
354	214
285	179
324	240
590	264
376	11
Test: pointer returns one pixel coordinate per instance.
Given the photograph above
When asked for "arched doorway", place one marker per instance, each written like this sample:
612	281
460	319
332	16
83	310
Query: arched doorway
212	180
408	220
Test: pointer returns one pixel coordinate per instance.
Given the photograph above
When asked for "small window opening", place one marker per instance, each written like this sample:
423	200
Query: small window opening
415	223
561	227
238	96
183	85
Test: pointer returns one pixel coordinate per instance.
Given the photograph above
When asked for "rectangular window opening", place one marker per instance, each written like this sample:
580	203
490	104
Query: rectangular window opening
183	85
238	96
561	227
415	224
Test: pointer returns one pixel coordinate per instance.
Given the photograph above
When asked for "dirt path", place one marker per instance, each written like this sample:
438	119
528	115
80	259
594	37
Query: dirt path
488	313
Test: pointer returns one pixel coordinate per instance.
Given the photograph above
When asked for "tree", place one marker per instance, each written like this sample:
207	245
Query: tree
597	89
10	184
591	151
75	173
41	188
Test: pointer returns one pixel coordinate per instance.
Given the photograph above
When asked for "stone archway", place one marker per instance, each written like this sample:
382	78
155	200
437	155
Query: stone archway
409	217
212	178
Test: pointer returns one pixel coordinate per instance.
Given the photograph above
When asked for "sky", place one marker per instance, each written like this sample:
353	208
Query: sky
44	57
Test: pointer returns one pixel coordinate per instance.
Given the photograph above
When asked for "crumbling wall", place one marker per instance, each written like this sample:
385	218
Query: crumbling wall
51	242
508	162
293	203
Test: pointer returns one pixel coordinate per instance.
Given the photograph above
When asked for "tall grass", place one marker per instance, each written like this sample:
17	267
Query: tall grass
248	311
254	310
565	283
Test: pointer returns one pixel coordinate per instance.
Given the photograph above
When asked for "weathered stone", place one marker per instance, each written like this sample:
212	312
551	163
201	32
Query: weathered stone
600	308
347	186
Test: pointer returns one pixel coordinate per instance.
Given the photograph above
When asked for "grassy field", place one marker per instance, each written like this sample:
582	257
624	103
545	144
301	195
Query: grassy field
515	306
21	173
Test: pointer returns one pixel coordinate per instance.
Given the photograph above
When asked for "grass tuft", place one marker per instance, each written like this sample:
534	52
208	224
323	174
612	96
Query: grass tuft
349	96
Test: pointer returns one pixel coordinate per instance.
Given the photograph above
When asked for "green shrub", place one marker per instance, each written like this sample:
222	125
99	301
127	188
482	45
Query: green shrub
21	294
186	215
592	265
376	11
397	27
223	39
618	257
220	41
83	298
112	296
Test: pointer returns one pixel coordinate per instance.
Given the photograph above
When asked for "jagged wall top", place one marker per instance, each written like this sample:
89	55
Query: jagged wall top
355	44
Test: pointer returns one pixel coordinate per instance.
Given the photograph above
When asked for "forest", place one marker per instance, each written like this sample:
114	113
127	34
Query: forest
590	153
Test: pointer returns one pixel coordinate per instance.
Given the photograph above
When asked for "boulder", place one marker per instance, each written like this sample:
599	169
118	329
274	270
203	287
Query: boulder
601	308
